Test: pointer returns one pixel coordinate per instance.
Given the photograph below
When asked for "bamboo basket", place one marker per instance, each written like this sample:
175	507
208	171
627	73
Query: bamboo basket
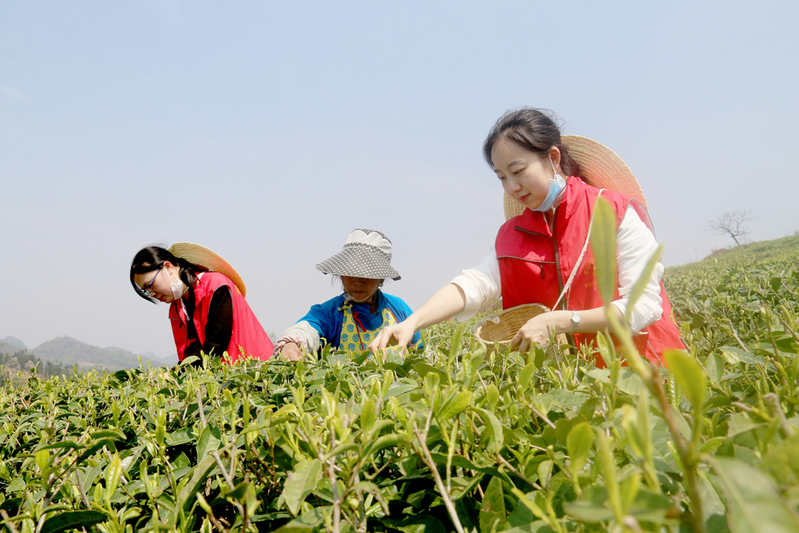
498	330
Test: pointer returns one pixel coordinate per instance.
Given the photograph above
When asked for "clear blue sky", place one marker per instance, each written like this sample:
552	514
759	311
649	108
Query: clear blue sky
268	130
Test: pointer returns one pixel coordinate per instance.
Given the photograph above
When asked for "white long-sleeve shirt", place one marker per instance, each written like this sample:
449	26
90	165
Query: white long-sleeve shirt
635	245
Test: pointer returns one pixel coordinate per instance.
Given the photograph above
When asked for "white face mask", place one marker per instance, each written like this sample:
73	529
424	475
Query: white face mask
556	186
176	287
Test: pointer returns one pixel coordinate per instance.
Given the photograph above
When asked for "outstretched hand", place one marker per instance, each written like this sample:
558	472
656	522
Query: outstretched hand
537	330
291	352
400	334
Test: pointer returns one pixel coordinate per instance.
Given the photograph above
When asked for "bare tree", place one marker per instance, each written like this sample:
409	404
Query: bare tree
732	223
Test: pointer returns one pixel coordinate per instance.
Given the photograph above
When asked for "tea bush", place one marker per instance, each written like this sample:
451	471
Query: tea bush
456	439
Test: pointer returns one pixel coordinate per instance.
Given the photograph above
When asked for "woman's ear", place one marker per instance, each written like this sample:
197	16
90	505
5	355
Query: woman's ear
554	156
171	267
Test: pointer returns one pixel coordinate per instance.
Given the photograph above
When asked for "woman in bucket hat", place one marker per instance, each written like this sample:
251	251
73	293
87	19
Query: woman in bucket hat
353	319
206	301
541	253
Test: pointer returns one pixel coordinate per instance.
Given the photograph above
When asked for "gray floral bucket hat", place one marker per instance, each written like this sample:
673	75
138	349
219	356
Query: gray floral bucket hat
366	254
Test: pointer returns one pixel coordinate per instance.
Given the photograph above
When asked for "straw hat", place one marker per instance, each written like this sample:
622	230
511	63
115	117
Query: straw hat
366	254
599	165
200	255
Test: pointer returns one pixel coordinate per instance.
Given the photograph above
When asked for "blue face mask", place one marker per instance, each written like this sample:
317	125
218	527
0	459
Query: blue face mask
556	186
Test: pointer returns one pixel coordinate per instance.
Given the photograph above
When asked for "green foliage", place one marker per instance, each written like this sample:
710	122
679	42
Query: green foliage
603	244
455	439
754	503
22	363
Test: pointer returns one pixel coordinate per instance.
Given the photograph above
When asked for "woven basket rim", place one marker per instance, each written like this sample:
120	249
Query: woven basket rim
526	311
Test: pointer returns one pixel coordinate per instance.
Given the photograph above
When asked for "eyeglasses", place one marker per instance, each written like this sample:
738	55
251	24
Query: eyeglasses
148	289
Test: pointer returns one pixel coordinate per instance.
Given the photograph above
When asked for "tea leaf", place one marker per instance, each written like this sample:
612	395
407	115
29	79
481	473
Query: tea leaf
603	244
42	459
689	375
525	376
112	475
307	522
209	441
237	492
579	443
72	520
735	355
301	482
492	508
492	395
417	524
753	504
186	495
591	506
454	405
368	415
492	432
114	434
92	448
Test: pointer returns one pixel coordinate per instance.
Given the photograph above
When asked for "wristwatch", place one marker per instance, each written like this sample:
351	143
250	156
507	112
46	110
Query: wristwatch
575	320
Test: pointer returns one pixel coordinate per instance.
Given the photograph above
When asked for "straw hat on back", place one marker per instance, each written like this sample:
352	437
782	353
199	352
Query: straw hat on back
599	165
202	256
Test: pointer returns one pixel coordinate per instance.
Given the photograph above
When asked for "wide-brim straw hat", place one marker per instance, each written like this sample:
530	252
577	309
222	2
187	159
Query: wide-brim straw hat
366	254
200	255
599	165
499	329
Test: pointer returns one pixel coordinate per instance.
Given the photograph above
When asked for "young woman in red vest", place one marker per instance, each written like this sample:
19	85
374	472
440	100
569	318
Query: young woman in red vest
206	301
542	254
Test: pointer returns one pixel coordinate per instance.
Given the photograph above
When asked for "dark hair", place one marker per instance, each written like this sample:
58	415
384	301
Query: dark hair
535	130
153	257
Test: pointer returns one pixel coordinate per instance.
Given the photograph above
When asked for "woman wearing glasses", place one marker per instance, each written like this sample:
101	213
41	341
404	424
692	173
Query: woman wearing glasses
206	301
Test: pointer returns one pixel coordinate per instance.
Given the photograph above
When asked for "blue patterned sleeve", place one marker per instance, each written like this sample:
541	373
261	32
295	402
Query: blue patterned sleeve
326	319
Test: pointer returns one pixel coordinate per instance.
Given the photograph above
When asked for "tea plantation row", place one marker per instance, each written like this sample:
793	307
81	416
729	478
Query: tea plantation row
455	439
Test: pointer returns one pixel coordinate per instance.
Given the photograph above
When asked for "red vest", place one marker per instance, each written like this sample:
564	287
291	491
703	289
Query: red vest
248	335
535	263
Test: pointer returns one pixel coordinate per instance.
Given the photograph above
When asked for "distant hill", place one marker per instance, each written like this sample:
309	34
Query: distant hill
8	348
760	249
746	252
16	342
170	359
68	351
